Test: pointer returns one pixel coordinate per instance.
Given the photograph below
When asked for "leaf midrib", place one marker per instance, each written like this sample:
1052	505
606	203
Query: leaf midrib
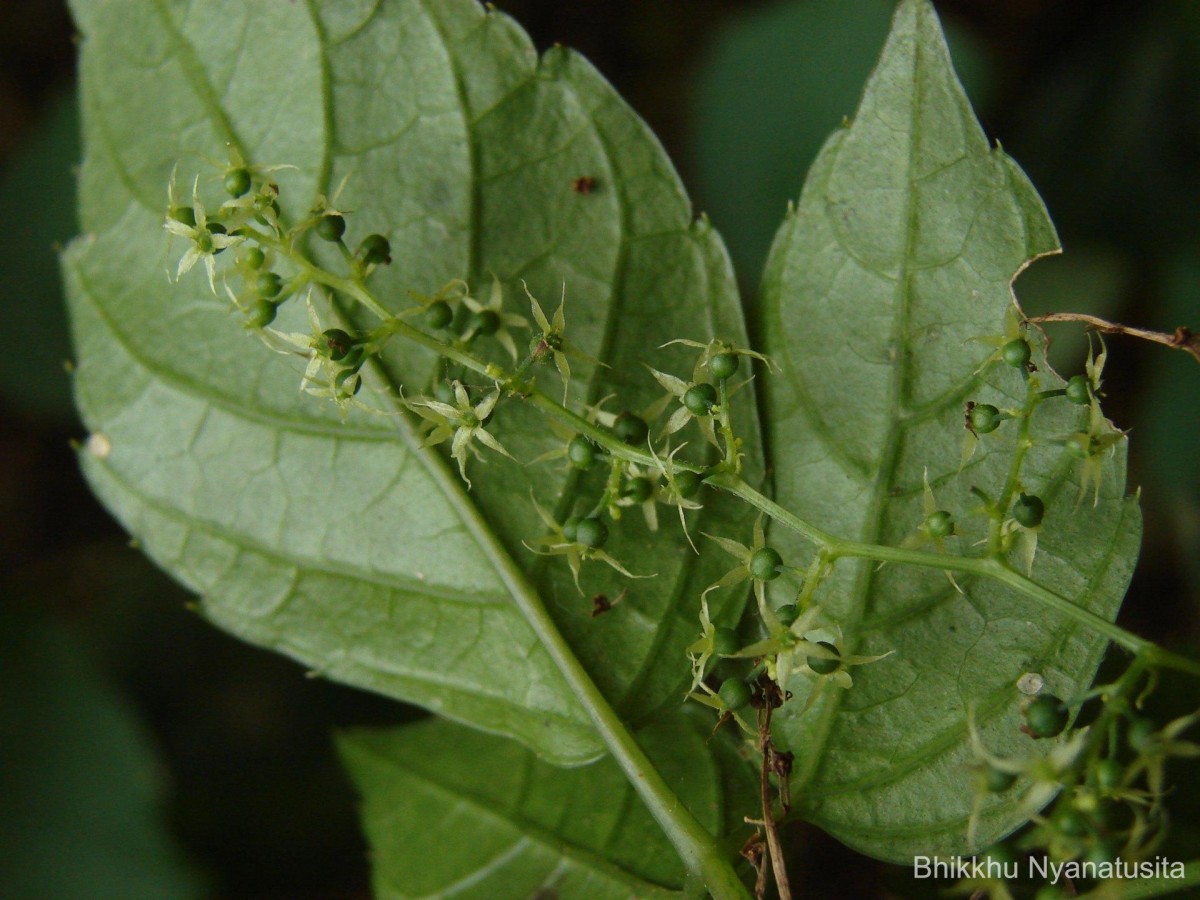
887	463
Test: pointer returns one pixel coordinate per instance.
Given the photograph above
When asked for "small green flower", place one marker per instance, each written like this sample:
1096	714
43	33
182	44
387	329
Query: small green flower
719	358
807	649
1158	747
681	390
490	319
574	546
207	239
754	564
1044	773
462	424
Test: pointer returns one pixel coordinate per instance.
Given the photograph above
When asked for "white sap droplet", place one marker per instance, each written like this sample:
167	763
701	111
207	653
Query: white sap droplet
99	445
1030	683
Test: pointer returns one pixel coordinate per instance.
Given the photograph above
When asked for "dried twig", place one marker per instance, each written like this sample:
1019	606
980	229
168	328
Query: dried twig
1182	338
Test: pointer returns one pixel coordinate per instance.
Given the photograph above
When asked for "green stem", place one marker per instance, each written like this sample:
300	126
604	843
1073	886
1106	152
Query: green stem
835	547
699	851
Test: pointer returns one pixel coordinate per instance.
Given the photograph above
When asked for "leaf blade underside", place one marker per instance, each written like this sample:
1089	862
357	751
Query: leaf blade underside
902	249
343	544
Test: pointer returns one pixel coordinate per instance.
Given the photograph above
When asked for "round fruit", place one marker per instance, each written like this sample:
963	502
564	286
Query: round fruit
1046	716
700	399
984	418
268	285
940	524
1029	510
253	257
688	484
726	642
723	365
630	428
331	227
581	452
823	666
734	693
337	342
639	489
787	614
591	532
439	314
571	527
237	181
1079	391
262	314
1016	353
765	563
375	249
484	322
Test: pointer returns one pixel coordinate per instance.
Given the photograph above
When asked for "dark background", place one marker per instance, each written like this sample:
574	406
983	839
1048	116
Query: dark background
143	753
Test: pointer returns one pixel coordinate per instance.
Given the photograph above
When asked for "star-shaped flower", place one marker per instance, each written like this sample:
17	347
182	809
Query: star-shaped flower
565	540
461	424
491	319
207	238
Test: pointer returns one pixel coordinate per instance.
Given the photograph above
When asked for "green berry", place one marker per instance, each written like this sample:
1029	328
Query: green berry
484	322
723	365
726	642
1029	510
1079	445
1141	731
1016	353
262	314
823	666
984	418
348	382
1079	391
630	428
700	399
1046	716
639	489
439	314
237	181
570	527
354	359
940	524
184	214
765	563
591	532
331	227
1109	774
375	250
581	452
688	483
337	342
268	285
998	781
734	693
253	258
787	614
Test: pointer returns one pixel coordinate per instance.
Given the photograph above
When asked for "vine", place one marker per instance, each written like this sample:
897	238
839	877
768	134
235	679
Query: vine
1109	799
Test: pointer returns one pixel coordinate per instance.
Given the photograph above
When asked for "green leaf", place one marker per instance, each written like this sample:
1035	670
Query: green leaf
902	249
338	542
80	786
804	63
448	810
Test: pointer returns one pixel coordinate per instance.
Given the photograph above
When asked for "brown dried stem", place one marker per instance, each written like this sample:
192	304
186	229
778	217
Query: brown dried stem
1182	338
